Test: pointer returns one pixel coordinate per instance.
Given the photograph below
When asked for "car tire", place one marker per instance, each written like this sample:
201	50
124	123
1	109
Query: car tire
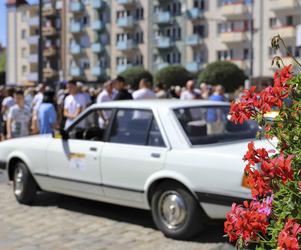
25	187
176	212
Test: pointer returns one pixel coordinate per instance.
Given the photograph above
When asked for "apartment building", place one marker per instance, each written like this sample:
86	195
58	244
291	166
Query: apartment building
92	40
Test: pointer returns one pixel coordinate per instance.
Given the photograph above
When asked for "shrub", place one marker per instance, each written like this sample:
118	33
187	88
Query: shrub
273	219
134	75
227	74
172	75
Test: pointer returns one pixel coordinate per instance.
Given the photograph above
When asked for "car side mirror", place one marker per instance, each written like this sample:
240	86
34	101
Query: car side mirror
64	134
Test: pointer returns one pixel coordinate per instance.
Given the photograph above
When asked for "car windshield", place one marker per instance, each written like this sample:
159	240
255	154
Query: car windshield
211	124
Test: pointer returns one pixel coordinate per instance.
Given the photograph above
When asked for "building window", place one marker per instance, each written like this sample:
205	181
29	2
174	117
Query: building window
139	37
246	54
23	34
289	21
24	69
174	58
24	16
85	41
139	13
199	30
200	4
23	52
225	55
273	22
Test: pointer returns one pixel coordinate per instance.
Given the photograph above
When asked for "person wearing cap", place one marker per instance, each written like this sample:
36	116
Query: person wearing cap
122	92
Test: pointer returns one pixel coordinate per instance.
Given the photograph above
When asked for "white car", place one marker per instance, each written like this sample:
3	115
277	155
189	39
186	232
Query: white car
180	159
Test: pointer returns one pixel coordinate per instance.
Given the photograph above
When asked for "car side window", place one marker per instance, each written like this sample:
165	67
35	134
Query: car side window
135	127
92	127
155	138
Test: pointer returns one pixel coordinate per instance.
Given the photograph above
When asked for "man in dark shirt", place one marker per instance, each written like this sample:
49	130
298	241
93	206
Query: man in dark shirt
120	86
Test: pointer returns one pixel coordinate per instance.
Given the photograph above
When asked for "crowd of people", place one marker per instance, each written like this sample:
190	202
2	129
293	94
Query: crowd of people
42	110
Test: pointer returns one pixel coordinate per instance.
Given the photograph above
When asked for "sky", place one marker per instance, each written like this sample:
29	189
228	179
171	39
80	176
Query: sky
3	20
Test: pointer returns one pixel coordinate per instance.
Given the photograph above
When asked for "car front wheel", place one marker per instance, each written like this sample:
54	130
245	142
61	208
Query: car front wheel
175	211
25	187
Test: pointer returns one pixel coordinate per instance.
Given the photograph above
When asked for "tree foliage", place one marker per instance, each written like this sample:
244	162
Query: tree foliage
2	62
134	75
173	75
227	74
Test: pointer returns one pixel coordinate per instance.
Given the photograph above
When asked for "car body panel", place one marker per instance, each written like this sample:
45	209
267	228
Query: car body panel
124	174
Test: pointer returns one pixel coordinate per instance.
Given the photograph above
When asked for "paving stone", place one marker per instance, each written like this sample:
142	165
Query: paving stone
58	222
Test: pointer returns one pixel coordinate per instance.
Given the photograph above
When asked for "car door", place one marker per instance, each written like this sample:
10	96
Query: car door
74	164
135	149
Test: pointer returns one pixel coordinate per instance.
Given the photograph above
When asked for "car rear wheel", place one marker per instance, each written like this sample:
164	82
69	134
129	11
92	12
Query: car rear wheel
175	211
25	187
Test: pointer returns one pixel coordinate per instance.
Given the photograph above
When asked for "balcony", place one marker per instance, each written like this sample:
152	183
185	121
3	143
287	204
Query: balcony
160	65
126	22
33	40
49	10
49	52
239	62
49	73
49	31
286	5
234	10
123	67
193	67
286	32
97	47
163	17
125	45
33	58
233	37
194	14
97	4
33	22
75	49
32	77
76	7
163	42
76	27
98	71
125	2
97	25
193	40
76	71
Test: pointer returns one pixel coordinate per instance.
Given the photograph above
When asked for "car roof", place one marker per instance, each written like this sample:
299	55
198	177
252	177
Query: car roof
156	103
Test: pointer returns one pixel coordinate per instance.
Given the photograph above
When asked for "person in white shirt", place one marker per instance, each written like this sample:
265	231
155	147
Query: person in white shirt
74	104
190	93
144	91
108	94
18	118
7	103
38	98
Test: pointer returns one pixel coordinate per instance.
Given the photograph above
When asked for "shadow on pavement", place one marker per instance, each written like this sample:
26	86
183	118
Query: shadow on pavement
213	233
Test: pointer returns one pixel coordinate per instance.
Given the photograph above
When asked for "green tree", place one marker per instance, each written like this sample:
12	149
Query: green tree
2	62
227	74
134	75
173	75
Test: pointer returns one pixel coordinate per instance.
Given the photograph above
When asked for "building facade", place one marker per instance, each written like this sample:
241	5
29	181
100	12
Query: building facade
92	40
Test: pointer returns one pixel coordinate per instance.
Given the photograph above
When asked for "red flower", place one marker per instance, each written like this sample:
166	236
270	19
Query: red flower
288	237
251	104
261	170
245	222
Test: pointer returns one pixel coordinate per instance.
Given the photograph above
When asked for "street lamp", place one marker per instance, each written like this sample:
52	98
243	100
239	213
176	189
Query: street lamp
40	49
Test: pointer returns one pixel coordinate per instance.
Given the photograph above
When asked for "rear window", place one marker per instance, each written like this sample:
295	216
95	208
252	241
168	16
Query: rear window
205	125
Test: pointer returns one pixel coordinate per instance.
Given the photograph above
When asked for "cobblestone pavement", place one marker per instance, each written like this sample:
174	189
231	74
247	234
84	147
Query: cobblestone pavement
61	223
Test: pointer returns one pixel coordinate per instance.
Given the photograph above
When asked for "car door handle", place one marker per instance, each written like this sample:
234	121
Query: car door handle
93	149
155	155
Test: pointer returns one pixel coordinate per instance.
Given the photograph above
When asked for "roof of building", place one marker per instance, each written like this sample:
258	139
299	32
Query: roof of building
15	2
157	103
